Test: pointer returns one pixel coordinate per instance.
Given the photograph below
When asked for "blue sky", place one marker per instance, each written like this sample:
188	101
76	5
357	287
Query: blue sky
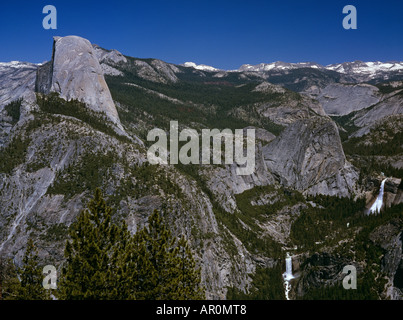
221	33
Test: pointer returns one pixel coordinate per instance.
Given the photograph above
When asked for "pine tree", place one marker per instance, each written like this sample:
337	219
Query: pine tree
161	251
121	268
173	275
104	261
31	277
134	268
189	280
89	270
9	282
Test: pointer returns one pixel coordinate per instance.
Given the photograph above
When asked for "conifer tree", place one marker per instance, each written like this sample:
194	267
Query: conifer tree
160	248
173	274
88	273
189	280
104	261
120	268
134	268
31	277
9	282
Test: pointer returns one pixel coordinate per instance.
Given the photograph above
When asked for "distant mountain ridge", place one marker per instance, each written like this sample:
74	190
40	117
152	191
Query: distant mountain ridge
345	67
362	71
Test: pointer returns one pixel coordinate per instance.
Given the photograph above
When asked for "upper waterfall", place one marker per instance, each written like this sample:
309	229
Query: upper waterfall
377	205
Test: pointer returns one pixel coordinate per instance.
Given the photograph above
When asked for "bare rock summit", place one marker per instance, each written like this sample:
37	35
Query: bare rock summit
75	73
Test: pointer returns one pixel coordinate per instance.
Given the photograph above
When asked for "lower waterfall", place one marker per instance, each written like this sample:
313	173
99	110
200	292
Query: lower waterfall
287	275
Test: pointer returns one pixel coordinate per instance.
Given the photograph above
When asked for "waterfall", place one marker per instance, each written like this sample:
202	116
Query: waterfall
287	275
377	205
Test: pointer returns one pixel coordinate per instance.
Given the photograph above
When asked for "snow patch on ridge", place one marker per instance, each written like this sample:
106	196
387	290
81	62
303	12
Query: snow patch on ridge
199	66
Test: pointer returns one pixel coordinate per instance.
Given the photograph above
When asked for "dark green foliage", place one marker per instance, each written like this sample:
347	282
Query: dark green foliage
9	282
250	238
55	232
188	281
307	76
283	198
13	110
209	102
272	127
369	223
90	255
337	208
161	267
160	249
337	292
53	104
207	91
31	277
346	123
250	214
392	147
92	170
172	270
152	179
144	180
13	154
373	167
370	281
24	282
386	88
267	284
383	139
132	270
316	224
104	261
86	173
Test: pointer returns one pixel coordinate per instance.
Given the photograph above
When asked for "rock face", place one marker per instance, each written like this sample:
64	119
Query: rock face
17	79
225	183
390	106
109	59
290	110
393	192
108	56
156	71
389	238
322	269
75	73
309	157
341	99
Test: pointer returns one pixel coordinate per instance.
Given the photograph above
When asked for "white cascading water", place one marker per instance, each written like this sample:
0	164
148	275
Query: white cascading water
377	205
287	275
